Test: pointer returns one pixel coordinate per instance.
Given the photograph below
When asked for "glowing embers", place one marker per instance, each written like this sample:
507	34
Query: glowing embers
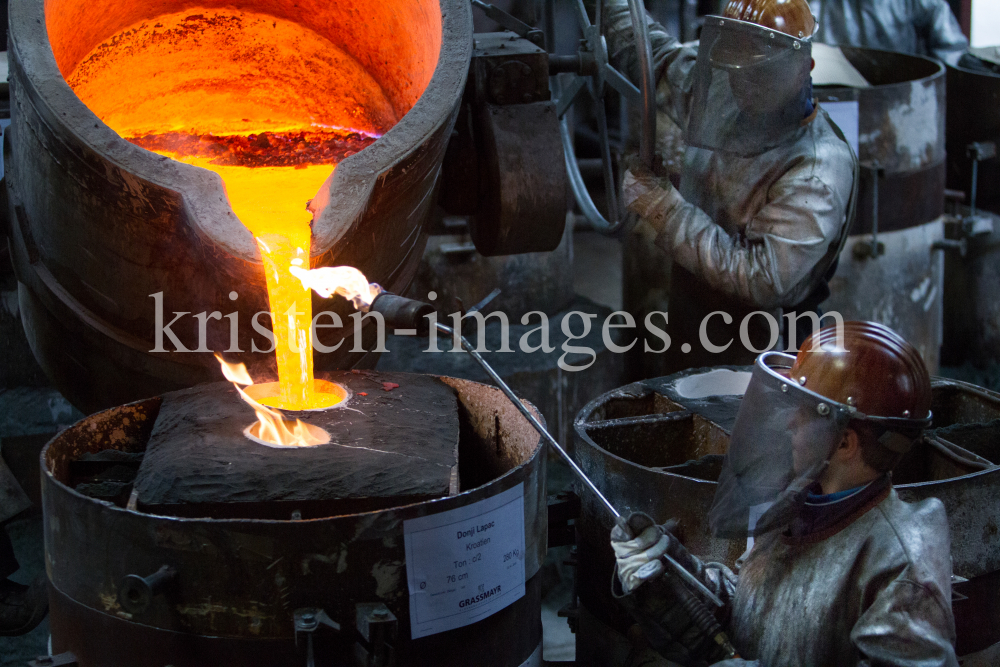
267	149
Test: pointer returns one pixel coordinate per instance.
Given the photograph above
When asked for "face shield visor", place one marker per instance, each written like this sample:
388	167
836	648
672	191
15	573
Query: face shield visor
751	87
781	442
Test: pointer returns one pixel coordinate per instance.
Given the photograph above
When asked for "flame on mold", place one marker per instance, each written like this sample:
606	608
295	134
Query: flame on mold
271	427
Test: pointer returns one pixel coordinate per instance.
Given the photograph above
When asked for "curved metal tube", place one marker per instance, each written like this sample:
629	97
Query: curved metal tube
647	138
576	184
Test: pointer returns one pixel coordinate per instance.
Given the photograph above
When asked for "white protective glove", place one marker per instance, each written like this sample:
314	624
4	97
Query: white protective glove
633	554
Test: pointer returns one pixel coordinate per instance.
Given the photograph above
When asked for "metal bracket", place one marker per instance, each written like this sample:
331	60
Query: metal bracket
960	245
508	22
978	151
377	628
307	621
136	593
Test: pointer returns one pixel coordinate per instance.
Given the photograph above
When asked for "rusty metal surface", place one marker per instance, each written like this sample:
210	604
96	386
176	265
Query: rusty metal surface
973	115
505	164
637	422
901	132
901	288
971	307
522	195
242	579
138	645
902	113
101	224
629	438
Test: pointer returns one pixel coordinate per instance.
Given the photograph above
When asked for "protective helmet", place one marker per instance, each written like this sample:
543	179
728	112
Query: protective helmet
749	47
796	411
792	17
873	370
751	80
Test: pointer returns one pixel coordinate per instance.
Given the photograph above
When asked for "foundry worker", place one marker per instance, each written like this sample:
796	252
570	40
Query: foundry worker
767	184
920	27
841	571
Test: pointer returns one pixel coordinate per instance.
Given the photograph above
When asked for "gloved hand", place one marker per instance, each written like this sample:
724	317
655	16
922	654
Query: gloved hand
649	196
632	553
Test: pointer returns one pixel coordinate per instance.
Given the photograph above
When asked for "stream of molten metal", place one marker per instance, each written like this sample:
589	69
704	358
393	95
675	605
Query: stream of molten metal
271	107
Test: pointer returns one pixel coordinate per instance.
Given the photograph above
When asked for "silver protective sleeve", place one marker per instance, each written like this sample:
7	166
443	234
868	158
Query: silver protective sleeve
920	27
878	592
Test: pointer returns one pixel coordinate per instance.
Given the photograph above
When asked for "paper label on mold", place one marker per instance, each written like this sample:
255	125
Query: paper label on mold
465	564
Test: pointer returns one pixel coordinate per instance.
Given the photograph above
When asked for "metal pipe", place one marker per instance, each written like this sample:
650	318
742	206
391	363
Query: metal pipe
542	431
549	21
647	140
875	171
975	182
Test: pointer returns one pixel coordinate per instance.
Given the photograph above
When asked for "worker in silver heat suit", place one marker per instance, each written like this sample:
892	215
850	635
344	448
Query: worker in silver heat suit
920	27
767	184
841	572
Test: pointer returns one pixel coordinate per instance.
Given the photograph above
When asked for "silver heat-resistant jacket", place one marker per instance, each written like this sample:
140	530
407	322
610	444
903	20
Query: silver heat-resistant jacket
920	27
877	593
745	233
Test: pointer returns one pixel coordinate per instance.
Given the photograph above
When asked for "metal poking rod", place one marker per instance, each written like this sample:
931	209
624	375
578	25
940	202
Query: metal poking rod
542	431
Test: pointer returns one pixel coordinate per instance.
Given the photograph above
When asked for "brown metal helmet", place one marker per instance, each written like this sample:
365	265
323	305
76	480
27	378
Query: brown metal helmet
792	17
876	371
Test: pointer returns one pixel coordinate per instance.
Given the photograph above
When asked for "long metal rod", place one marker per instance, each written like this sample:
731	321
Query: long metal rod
975	182
542	431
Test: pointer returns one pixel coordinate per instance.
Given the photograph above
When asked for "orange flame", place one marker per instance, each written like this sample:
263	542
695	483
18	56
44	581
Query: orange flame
235	373
271	427
346	281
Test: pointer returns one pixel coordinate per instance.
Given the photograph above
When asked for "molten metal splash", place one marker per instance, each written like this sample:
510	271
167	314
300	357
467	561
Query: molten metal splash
271	427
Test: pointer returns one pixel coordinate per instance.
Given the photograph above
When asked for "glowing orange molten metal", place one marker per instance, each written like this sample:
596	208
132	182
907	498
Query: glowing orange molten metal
269	105
271	428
